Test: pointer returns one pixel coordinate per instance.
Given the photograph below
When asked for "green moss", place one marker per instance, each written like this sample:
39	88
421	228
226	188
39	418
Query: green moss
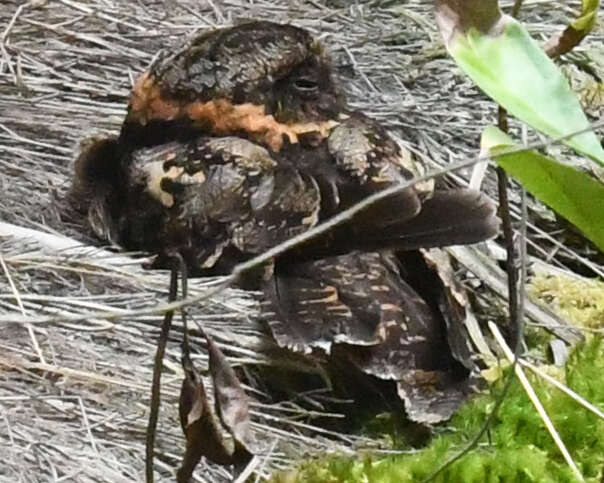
518	449
580	300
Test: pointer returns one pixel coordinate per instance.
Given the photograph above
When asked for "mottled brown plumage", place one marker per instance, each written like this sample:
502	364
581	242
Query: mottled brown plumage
272	85
241	140
390	316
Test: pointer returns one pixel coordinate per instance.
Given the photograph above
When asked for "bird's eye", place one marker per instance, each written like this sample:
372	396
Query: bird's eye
306	85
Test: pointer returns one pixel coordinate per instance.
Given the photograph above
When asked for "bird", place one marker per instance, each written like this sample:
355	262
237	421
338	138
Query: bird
241	139
273	85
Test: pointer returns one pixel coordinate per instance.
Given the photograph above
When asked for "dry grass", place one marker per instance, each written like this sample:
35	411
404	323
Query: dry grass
74	395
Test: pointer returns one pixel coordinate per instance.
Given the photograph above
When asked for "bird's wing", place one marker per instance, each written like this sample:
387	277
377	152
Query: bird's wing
310	305
359	308
351	299
367	160
451	217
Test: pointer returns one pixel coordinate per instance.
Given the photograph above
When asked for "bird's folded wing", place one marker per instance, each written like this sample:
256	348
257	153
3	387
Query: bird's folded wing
364	160
453	217
216	200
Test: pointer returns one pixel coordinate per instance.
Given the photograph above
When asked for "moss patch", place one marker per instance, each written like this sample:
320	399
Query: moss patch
581	301
517	449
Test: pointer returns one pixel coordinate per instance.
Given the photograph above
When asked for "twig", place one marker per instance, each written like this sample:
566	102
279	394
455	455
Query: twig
87	425
11	24
508	236
30	329
156	384
512	273
516	8
535	400
248	470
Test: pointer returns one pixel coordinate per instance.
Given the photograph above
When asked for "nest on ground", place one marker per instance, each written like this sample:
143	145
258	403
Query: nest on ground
75	385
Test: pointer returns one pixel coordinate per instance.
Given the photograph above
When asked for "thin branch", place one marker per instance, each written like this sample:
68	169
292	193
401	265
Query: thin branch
17	295
516	8
508	235
156	384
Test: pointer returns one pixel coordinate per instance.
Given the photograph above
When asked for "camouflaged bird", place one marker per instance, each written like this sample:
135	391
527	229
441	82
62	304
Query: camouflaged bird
241	140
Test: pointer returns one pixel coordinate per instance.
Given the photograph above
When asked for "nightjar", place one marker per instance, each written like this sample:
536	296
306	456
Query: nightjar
242	139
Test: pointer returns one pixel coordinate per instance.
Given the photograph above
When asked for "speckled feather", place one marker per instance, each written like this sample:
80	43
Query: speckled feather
215	200
259	80
204	69
360	308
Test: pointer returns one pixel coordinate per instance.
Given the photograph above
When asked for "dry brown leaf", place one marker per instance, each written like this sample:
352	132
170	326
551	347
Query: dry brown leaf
232	404
458	16
203	434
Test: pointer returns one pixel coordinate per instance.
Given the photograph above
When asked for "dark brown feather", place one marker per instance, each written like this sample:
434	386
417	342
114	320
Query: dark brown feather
272	85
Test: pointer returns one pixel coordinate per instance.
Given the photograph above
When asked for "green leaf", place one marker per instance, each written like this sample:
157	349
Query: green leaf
497	53
572	193
589	13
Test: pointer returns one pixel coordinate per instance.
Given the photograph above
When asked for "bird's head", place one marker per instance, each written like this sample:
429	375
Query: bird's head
269	81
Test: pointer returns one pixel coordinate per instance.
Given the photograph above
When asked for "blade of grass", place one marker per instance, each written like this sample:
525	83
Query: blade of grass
535	400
